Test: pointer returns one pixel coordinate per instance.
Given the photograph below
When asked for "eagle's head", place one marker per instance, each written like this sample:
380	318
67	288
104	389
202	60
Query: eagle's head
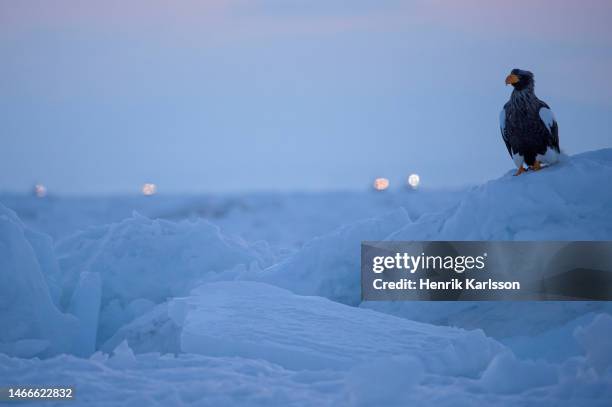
520	79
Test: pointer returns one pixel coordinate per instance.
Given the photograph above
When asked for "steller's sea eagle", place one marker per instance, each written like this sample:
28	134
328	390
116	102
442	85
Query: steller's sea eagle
528	126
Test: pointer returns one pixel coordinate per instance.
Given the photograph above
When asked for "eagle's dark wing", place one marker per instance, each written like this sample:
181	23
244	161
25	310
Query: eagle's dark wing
548	118
502	127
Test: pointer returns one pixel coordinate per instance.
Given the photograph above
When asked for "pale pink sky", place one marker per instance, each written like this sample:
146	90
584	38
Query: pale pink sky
579	19
195	85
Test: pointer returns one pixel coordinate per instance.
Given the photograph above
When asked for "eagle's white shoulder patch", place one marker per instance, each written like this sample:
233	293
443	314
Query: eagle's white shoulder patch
502	119
547	117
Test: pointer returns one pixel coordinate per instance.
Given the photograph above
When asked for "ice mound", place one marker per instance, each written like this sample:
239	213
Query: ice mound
142	262
568	201
260	321
31	323
328	266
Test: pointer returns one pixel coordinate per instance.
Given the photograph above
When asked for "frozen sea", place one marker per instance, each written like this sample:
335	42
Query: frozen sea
253	299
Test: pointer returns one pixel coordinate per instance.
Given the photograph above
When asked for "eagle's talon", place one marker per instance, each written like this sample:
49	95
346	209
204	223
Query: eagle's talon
536	166
520	171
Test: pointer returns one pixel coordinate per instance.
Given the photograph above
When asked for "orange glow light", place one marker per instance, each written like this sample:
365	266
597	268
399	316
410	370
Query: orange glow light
149	189
380	184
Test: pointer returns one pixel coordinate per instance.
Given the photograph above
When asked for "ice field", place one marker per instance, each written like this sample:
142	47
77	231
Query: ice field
254	299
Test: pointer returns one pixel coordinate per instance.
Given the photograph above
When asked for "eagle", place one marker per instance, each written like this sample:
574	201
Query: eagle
528	126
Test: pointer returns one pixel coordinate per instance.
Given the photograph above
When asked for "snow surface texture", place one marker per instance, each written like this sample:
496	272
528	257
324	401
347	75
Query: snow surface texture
181	312
125	378
260	321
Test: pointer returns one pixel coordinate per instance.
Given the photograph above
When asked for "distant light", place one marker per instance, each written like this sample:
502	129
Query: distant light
40	191
149	189
414	180
380	184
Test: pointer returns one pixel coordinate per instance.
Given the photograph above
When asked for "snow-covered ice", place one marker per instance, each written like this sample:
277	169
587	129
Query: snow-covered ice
327	265
261	321
31	323
139	259
254	299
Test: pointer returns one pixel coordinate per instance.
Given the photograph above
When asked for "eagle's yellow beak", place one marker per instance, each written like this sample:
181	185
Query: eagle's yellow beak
511	79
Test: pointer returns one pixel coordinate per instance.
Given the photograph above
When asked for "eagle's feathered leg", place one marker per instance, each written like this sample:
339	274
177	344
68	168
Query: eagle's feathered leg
520	170
536	166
